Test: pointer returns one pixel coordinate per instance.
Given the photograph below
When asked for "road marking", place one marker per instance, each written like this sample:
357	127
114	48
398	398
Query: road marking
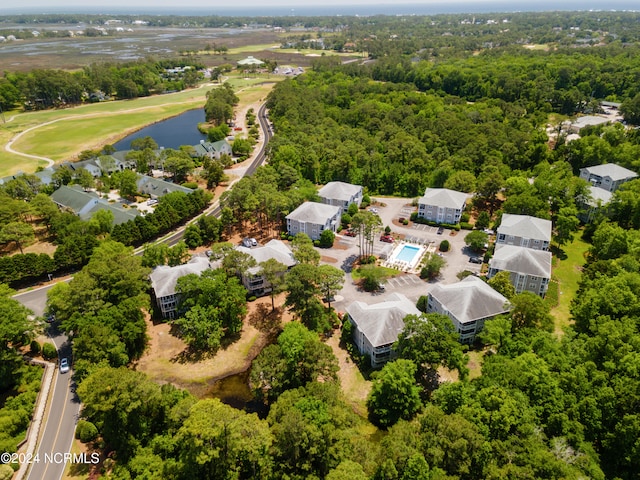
64	407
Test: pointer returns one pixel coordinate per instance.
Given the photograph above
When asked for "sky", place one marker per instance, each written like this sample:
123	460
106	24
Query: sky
176	6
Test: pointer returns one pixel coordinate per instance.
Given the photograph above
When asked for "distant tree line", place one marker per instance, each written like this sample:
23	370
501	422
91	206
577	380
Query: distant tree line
41	89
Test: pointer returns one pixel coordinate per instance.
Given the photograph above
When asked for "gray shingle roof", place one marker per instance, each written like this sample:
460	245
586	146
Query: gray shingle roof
525	226
521	260
313	212
611	170
273	249
470	299
164	278
443	197
382	322
154	186
339	191
73	197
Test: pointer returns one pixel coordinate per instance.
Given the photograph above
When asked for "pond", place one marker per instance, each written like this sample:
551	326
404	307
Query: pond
234	391
170	133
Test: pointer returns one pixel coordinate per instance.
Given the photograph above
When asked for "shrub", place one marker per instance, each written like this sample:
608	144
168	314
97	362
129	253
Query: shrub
252	298
49	351
387	230
464	218
405	222
326	239
445	246
422	303
466	226
86	431
34	346
316	243
414	216
191	185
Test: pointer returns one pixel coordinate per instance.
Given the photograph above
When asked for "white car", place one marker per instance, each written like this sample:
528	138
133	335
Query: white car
64	365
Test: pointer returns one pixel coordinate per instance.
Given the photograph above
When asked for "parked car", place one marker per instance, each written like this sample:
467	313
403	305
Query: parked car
373	210
477	260
64	365
50	317
350	233
246	242
386	238
254	242
440	230
152	201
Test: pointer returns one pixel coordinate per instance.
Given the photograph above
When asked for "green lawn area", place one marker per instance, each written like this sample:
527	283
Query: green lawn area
92	125
387	272
567	273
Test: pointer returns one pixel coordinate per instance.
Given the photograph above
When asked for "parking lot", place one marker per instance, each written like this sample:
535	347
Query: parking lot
390	209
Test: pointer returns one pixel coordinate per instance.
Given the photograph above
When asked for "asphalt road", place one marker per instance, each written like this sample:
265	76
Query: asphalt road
62	416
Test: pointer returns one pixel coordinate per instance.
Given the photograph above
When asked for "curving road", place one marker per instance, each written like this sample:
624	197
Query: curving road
64	409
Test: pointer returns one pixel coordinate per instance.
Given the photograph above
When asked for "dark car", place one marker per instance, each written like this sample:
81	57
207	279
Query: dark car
440	230
350	233
386	238
477	260
50	317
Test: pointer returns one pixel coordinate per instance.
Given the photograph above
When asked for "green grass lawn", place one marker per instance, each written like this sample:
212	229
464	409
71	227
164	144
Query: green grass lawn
92	125
567	272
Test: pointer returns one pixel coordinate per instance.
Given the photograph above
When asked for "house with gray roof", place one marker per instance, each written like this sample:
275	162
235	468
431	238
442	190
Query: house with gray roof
213	149
250	61
341	194
529	269
608	176
469	304
85	204
442	205
164	280
156	188
313	218
524	231
377	326
252	280
589	207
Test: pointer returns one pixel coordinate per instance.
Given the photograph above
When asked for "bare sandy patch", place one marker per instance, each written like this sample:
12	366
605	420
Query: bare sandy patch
168	360
355	387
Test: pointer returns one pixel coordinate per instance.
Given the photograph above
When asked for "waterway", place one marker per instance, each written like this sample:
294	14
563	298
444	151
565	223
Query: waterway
170	133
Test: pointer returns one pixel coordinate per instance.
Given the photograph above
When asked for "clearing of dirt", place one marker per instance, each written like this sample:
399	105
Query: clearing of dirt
168	360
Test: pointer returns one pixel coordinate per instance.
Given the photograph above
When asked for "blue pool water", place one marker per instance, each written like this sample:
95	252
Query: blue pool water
407	253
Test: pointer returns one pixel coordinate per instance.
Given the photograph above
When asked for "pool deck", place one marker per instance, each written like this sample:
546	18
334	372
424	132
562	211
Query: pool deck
414	265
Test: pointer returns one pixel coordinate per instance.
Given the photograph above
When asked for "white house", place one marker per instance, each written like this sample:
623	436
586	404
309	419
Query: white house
376	327
255	283
589	207
312	218
164	280
469	304
529	269
341	194
213	149
608	176
442	205
524	231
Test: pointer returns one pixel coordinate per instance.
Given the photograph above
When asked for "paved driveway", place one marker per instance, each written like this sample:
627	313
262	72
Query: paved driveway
346	251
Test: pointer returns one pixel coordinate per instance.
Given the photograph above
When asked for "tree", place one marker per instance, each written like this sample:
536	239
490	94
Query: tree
19	233
178	254
432	266
372	277
155	254
501	283
123	404
15	330
483	220
630	110
431	341
144	143
394	394
222	442
298	357
85	179
274	273
326	238
330	280
530	311
192	236
476	240
303	251
222	298
127	182
368	225
179	164
566	224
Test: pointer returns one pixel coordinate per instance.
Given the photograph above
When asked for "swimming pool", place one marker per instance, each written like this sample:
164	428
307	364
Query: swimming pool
407	253
406	256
